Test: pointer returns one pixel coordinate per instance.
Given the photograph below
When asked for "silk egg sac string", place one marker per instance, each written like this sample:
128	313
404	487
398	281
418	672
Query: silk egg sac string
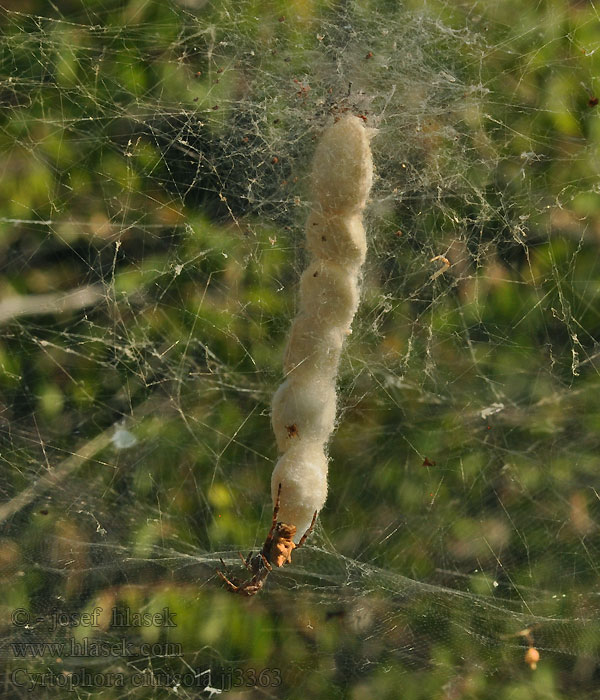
304	406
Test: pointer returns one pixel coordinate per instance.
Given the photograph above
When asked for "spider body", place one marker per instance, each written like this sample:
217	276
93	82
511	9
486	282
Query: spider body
277	550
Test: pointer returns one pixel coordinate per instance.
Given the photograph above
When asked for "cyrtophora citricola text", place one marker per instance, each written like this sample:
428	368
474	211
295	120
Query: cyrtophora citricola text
304	406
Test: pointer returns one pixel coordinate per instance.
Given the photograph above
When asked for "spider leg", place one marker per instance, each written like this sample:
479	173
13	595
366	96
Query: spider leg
266	563
245	562
223	564
231	586
307	533
267	543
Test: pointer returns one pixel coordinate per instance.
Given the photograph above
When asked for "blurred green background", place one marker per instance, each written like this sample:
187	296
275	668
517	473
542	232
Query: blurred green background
154	159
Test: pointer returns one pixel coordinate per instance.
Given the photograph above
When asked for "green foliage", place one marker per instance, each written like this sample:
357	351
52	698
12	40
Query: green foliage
156	152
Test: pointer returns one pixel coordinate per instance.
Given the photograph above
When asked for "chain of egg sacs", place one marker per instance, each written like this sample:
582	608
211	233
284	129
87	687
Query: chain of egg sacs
304	406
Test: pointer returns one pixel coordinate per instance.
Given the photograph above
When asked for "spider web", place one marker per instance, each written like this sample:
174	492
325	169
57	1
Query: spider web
155	159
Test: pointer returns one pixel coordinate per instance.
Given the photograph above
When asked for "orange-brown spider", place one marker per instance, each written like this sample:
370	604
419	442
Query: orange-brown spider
276	550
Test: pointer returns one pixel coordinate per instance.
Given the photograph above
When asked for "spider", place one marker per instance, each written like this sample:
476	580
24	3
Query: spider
276	550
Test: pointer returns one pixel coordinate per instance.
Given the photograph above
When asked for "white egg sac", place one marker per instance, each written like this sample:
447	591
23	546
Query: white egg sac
329	293
313	350
303	408
342	167
302	473
303	411
337	238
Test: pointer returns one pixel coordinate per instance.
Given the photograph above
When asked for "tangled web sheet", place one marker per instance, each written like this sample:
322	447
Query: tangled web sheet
155	162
